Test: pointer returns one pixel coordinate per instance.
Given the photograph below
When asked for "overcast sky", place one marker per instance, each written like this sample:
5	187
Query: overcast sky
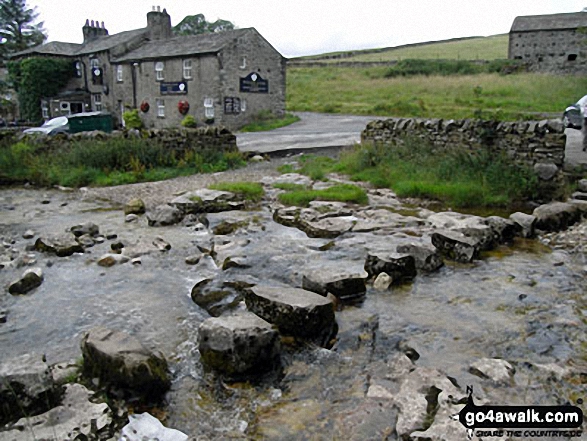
305	27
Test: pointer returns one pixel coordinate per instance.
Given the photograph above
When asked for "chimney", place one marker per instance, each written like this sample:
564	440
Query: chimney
159	24
93	29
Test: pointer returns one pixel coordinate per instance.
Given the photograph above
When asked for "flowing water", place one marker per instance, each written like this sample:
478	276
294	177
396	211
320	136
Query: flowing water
523	303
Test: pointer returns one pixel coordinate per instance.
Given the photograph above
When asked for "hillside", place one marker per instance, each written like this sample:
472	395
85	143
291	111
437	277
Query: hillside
472	48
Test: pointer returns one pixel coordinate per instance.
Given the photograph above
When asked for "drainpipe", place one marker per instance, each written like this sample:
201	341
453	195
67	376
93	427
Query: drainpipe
134	84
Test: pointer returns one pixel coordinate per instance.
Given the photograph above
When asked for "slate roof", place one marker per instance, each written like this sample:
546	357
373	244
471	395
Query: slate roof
549	22
51	48
183	45
109	41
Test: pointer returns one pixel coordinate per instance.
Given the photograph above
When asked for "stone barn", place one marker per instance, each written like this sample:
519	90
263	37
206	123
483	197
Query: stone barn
554	43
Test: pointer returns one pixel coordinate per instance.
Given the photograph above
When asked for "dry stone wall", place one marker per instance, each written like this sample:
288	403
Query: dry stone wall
538	144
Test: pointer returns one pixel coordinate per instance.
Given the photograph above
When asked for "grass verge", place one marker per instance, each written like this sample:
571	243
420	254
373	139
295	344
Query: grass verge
415	169
249	191
103	163
301	196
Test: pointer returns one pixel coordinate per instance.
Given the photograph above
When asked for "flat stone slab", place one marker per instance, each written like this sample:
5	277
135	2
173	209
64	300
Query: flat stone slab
294	311
239	345
342	283
456	246
62	246
400	267
205	200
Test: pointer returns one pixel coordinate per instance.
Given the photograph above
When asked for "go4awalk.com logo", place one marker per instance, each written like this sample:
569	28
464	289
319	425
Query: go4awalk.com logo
520	421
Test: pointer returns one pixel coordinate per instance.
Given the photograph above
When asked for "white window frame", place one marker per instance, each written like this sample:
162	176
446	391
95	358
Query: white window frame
119	73
160	108
45	110
159	70
243	105
187	69
209	108
97	99
94	63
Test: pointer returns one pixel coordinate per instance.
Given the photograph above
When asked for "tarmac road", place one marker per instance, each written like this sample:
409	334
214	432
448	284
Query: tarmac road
316	131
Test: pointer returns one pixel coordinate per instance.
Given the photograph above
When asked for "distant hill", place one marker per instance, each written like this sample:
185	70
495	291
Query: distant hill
470	48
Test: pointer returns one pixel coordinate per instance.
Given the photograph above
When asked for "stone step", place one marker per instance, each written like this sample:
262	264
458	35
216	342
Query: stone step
296	312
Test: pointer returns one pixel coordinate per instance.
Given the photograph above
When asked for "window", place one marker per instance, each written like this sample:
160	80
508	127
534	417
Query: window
159	67
243	105
45	110
97	98
187	69
160	108
572	57
119	73
209	108
94	63
78	69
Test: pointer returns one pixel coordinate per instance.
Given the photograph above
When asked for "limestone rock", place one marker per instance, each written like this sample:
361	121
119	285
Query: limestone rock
75	418
218	296
239	345
86	241
26	385
545	170
143	426
495	369
89	228
31	279
582	185
382	282
108	260
344	284
205	200
426	257
28	234
579	195
62	246
134	206
294	311
164	215
161	244
314	224
556	216
131	218
400	267
121	360
456	246
526	222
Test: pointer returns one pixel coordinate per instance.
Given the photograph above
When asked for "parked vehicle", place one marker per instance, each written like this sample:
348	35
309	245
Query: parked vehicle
78	122
50	127
574	115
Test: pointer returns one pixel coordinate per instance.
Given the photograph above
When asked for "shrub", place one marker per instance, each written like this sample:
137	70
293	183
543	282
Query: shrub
132	120
190	122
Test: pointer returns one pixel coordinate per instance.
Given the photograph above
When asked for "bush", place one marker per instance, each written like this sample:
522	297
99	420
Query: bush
190	122
132	119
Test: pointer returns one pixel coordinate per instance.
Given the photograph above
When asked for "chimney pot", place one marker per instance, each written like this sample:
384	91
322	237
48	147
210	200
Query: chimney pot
158	8
103	27
92	23
87	21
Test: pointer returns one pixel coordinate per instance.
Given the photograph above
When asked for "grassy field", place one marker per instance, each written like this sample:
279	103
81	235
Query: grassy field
367	91
481	48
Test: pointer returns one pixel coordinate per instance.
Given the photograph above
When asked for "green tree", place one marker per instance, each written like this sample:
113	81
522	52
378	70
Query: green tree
19	28
38	77
197	24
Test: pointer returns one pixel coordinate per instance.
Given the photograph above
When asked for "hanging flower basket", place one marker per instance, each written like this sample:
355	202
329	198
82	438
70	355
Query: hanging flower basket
145	107
183	107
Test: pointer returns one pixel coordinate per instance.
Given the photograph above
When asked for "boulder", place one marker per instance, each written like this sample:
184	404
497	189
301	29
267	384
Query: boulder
545	170
26	387
76	418
239	345
86	241
108	260
218	296
88	228
62	246
134	206
579	195
456	246
342	283
400	267
164	215
426	257
120	360
505	230
494	369
161	244
28	234
525	222
556	216
31	279
143	426
205	200
382	282
314	224
582	185
294	311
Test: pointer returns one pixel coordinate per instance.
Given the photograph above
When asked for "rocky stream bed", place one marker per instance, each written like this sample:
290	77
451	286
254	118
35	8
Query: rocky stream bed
425	304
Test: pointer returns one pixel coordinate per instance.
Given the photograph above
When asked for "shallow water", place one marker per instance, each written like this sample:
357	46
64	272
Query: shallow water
524	303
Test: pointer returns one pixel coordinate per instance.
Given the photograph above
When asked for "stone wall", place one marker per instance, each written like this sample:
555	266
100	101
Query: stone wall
538	144
180	140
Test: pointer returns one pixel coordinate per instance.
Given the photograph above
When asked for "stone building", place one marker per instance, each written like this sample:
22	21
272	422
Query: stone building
223	78
554	43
